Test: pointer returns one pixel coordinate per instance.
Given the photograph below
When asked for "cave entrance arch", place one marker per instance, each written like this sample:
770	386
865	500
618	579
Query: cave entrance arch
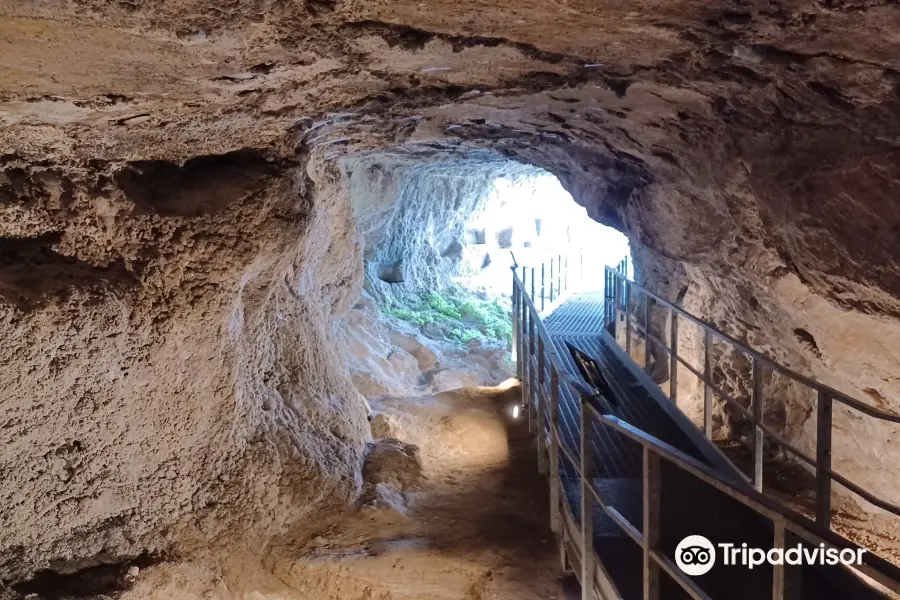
530	215
445	227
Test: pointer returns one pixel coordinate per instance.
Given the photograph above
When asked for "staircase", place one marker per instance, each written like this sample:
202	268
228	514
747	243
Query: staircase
650	476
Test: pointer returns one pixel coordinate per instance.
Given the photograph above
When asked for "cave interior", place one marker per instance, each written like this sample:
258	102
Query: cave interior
227	232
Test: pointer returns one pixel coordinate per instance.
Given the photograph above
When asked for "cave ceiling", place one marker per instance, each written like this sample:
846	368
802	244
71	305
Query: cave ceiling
702	129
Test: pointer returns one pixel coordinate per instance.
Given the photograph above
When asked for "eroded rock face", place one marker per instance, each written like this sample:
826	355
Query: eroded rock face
413	211
175	238
166	371
385	425
392	462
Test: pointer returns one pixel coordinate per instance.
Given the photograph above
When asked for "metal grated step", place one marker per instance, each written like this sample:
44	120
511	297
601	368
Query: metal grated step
580	314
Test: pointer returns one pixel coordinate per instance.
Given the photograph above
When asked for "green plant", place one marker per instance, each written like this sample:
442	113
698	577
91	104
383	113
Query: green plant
465	335
473	319
438	303
490	317
399	313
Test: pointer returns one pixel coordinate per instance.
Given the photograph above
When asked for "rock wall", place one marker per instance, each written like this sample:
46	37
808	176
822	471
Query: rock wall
414	210
169	371
785	319
387	357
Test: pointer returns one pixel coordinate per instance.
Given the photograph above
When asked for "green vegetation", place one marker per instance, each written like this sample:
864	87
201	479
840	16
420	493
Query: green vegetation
460	318
442	306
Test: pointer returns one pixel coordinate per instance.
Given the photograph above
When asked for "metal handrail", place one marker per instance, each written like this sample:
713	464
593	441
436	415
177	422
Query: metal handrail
878	569
825	395
541	328
528	326
536	359
810	383
558	269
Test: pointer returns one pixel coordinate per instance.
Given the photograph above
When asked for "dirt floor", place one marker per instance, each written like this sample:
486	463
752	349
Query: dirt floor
478	527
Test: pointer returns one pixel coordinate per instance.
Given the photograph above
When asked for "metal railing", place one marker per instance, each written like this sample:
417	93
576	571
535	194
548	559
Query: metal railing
624	314
535	353
785	581
539	369
552	278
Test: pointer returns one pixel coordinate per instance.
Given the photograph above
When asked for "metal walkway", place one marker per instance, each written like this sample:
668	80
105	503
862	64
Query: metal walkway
641	442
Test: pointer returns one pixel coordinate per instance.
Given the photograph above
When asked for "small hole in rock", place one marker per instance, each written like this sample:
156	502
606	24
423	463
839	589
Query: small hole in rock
807	340
454	250
392	273
89	582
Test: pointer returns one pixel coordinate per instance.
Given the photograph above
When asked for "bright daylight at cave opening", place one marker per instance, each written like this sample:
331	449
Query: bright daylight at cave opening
533	218
442	234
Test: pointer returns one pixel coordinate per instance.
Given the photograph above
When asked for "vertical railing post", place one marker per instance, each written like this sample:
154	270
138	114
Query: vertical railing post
559	273
541	408
552	279
785	581
543	285
707	383
531	368
652	508
646	331
778	567
517	311
614	295
606	298
566	274
757	422
628	317
524	356
824	408
616	303
523	323
555	482
587	507
608	295
673	357
515	322
533	298
618	292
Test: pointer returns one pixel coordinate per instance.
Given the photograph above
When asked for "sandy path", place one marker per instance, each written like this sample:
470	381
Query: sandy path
478	529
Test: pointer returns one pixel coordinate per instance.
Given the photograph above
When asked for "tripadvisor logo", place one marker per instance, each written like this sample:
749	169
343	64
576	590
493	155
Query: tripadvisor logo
696	555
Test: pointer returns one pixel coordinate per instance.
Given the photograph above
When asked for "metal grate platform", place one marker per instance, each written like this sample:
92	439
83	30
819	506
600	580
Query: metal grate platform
689	506
581	314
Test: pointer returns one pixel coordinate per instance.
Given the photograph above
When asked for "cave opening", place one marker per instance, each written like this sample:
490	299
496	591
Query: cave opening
443	230
532	220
